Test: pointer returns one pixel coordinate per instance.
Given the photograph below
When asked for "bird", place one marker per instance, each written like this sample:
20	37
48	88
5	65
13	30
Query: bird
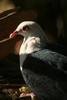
44	70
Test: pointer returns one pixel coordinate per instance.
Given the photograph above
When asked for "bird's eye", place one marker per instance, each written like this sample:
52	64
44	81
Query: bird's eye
25	28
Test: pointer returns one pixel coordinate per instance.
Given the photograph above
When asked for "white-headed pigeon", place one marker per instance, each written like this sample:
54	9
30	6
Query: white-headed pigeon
44	70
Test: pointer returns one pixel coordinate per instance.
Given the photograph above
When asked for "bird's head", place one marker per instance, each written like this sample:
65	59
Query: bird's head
28	28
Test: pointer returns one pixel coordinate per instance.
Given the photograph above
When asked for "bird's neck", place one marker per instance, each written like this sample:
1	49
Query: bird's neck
29	45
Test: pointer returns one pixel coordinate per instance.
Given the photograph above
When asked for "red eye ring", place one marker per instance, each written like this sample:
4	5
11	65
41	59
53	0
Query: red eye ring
26	28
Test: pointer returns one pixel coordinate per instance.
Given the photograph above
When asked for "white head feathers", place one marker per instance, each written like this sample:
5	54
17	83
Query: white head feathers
34	36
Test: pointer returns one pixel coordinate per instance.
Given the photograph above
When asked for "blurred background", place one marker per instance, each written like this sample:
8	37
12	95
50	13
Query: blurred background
50	14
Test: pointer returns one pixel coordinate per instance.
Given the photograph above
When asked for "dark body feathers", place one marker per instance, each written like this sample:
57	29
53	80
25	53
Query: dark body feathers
45	71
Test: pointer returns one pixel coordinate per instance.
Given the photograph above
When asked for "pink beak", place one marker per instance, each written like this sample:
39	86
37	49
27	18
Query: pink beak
13	34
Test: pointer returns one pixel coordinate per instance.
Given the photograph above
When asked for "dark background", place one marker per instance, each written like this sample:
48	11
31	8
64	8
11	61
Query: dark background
45	12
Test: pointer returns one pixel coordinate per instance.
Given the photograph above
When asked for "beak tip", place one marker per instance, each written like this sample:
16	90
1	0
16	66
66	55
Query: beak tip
10	36
13	34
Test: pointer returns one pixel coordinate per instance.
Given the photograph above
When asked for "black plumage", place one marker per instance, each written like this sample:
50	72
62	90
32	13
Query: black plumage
46	76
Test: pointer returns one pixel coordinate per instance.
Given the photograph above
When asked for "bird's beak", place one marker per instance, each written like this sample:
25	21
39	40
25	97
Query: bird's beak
13	34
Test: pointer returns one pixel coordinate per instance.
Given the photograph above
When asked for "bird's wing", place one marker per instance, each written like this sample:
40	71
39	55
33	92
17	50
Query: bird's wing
48	63
41	73
54	59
